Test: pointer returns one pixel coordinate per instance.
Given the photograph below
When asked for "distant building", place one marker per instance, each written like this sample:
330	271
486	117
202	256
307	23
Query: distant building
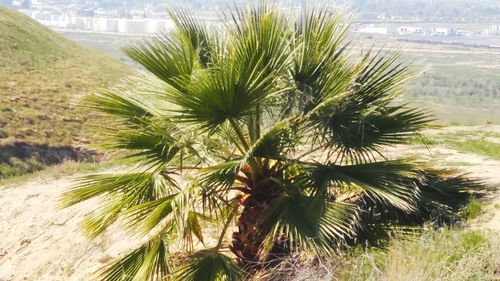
158	26
410	30
462	32
374	29
137	26
137	13
41	16
105	25
494	30
80	23
443	31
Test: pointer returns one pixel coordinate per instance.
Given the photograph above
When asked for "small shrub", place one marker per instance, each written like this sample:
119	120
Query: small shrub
473	208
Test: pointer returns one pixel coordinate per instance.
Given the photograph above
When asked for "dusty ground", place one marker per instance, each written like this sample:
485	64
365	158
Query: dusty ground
40	242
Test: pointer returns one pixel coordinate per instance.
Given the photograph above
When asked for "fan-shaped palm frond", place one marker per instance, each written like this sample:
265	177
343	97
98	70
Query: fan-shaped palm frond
197	32
148	262
383	181
358	122
209	265
266	127
172	61
309	222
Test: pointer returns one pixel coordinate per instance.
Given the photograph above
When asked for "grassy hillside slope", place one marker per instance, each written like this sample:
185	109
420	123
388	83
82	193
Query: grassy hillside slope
42	78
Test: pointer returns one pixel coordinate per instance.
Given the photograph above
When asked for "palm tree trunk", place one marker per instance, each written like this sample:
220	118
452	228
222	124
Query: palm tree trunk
248	240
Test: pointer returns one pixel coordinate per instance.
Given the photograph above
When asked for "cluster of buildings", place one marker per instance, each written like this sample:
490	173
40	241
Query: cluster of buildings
139	19
414	30
494	30
82	16
102	24
126	18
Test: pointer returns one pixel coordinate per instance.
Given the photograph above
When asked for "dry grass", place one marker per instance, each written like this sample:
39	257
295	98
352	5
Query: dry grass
440	255
43	76
444	254
64	169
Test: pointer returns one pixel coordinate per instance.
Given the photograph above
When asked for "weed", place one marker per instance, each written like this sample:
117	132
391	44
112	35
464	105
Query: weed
473	208
478	142
446	254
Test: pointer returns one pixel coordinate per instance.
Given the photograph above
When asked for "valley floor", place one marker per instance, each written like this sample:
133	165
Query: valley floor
40	242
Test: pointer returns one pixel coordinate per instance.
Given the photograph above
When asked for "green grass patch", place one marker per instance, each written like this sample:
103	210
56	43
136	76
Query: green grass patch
67	168
445	254
473	208
478	142
477	146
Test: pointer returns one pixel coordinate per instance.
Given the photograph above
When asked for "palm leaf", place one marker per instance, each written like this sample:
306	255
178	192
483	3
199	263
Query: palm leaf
358	122
149	145
196	32
388	182
118	193
148	262
274	143
171	59
319	57
311	222
209	266
141	186
120	105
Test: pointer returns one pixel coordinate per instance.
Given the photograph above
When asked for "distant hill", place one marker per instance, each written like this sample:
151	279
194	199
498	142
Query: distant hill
42	78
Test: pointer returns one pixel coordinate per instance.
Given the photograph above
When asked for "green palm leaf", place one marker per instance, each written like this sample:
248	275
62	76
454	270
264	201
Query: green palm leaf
148	262
189	26
172	60
210	266
310	222
388	182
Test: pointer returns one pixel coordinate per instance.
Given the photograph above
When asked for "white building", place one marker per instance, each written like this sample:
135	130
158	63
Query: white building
441	31
80	23
105	25
494	30
137	26
410	30
374	29
157	26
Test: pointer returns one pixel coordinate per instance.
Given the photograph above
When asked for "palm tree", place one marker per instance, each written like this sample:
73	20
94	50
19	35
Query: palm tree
265	127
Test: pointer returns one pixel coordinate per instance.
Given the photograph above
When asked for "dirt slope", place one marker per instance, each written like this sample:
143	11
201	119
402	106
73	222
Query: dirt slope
40	242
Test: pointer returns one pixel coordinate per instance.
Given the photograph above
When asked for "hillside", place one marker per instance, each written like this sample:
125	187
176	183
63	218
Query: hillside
42	78
38	226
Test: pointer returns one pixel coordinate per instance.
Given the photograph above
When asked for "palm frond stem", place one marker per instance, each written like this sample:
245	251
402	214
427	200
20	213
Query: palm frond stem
233	213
